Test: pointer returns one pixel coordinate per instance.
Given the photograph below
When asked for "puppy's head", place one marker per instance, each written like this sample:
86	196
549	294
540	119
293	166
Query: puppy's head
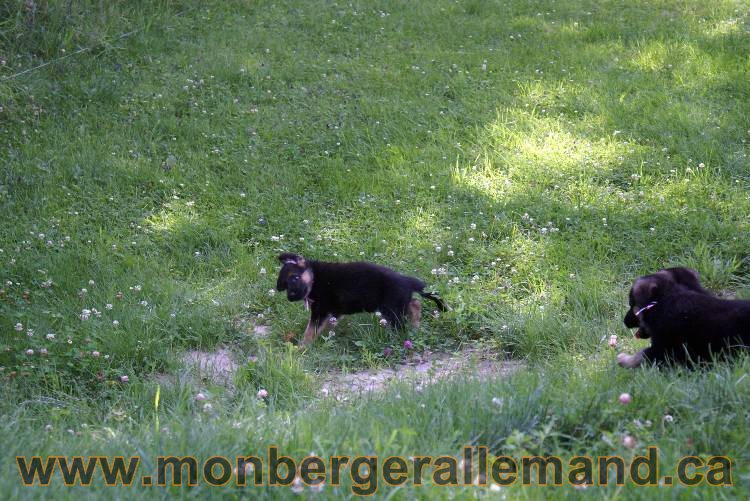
650	288
295	276
645	290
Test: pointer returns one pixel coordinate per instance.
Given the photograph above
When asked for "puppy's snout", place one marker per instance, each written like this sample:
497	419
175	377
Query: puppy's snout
630	320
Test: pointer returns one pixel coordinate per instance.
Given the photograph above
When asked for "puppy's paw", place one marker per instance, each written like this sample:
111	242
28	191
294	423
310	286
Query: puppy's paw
629	361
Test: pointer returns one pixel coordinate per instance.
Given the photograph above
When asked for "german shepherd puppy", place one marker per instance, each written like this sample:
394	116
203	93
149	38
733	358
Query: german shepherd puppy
335	289
685	277
685	322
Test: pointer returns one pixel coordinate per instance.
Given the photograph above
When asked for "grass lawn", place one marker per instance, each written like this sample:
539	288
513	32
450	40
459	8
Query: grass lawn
527	159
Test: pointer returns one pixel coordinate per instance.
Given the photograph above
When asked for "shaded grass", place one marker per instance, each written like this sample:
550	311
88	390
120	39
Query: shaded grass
575	412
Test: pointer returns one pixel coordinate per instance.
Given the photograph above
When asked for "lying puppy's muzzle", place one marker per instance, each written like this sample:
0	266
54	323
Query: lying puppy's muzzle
630	320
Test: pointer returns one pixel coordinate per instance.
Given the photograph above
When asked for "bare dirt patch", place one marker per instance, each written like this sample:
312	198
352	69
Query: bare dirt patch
218	366
423	369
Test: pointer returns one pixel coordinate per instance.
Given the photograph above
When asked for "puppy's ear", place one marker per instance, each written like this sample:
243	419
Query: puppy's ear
288	257
645	290
691	272
686	276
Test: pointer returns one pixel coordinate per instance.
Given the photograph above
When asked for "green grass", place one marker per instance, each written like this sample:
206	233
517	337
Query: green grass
528	160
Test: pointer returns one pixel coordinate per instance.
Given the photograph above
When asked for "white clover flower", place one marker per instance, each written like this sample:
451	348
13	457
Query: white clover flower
95	354
272	292
85	314
200	397
297	485
115	323
473	226
29	352
19	327
629	441
50	335
262	271
450	253
108	306
137	288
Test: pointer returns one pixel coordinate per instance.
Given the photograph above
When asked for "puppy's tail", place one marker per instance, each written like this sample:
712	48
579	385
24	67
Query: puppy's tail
439	302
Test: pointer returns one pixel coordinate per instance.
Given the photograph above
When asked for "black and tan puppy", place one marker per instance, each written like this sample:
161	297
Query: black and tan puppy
335	289
684	277
685	322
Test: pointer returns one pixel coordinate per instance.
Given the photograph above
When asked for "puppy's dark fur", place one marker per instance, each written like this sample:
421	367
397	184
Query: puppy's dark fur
684	277
685	323
335	289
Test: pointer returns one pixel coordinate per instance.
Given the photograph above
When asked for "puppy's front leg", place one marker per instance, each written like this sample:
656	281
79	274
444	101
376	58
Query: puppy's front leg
630	361
314	327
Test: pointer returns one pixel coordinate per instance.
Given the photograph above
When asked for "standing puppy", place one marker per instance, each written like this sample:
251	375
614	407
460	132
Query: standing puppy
335	289
684	321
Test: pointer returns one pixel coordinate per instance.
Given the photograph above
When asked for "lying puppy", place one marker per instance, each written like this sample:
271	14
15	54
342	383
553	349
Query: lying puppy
335	289
685	277
685	322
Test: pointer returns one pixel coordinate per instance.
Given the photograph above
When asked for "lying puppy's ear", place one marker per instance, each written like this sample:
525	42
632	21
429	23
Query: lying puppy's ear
686	277
645	290
288	257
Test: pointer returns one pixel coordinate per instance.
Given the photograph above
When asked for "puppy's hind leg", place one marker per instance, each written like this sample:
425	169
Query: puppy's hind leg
415	312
